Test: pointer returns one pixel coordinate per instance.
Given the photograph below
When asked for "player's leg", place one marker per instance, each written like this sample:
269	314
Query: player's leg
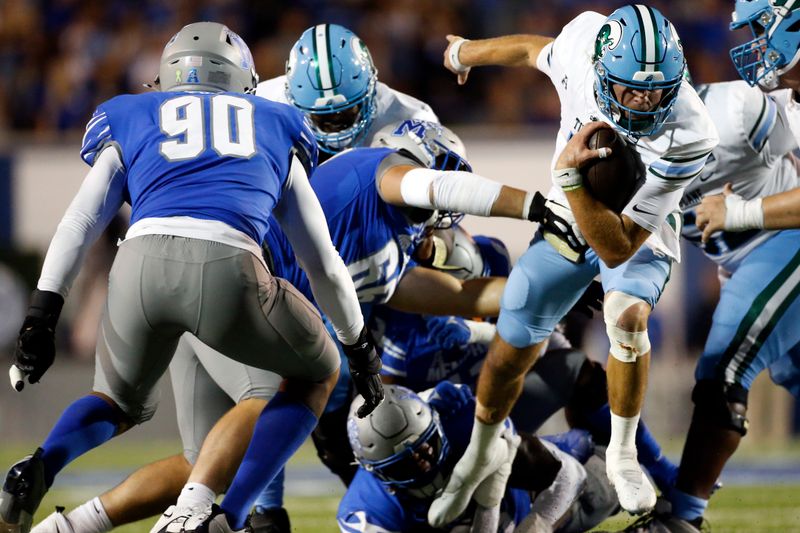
754	326
264	322
542	287
632	290
131	356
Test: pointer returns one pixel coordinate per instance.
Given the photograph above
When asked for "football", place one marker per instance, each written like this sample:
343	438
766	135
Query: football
613	180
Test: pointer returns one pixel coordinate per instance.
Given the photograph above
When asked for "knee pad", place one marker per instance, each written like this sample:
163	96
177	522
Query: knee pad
626	346
724	404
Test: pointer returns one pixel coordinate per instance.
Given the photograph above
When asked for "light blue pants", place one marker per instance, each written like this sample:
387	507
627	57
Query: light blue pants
757	320
543	287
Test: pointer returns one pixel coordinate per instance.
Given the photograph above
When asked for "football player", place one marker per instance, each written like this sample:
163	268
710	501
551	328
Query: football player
769	60
406	450
624	71
755	322
331	78
203	165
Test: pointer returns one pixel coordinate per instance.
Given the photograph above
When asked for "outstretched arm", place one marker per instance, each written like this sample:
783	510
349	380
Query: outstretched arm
509	51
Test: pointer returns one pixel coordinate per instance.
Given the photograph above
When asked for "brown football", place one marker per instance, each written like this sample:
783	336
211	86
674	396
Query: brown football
613	180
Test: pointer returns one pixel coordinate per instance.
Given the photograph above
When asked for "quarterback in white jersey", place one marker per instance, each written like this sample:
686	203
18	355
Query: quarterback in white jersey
624	71
755	322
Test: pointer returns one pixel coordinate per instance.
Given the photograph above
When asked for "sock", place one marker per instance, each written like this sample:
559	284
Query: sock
196	495
91	517
272	496
599	424
623	432
85	424
686	506
281	428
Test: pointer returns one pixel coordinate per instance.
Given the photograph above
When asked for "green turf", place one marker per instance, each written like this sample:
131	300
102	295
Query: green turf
737	509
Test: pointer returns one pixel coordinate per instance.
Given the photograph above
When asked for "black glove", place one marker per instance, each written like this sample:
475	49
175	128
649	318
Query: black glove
591	300
36	348
365	368
550	215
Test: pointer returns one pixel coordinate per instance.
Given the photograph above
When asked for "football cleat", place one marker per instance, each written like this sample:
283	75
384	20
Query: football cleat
174	518
554	501
634	490
57	522
270	521
22	493
213	521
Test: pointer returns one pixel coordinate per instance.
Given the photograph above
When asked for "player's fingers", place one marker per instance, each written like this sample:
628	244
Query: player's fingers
17	378
707	234
728	189
588	129
462	77
452	38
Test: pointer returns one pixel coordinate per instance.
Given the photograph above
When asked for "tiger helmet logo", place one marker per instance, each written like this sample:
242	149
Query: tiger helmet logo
608	38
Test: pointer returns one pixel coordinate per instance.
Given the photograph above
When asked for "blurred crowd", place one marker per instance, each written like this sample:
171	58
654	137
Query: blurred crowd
60	58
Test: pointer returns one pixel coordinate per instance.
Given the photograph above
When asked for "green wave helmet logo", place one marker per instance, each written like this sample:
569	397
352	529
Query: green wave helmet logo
675	37
780	7
608	38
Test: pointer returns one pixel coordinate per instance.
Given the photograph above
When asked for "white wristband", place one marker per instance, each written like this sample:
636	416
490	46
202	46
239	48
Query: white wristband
568	179
457	65
741	214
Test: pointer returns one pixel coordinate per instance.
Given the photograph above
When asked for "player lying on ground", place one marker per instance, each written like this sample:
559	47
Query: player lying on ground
755	322
625	70
407	448
201	203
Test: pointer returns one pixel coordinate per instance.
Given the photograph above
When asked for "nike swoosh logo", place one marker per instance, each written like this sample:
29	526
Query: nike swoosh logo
643	211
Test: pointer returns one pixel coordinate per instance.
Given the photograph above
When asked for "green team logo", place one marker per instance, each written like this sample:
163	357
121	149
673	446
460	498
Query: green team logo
782	8
360	51
608	38
675	37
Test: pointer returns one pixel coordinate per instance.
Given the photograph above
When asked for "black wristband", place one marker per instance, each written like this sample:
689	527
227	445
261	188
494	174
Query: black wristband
46	306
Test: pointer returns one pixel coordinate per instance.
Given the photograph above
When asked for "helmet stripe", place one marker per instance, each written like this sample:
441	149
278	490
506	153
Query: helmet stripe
323	56
647	27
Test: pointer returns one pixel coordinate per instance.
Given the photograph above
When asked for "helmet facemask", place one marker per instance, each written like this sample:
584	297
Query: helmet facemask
774	48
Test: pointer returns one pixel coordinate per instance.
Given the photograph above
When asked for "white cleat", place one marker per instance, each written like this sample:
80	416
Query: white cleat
552	503
57	522
174	518
634	490
469	473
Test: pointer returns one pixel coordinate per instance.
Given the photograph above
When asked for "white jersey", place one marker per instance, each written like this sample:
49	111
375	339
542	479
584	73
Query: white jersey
753	154
672	157
391	106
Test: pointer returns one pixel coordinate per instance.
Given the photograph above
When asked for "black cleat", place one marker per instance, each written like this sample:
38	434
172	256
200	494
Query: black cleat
270	521
22	493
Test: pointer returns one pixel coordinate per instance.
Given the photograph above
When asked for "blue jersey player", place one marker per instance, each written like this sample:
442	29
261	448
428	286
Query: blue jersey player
203	166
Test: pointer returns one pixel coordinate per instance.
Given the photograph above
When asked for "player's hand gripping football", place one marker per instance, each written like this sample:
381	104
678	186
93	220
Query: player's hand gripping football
451	61
365	369
35	350
577	153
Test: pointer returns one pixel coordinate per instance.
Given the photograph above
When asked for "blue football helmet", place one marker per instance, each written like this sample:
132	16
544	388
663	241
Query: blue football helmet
401	442
638	47
331	78
775	46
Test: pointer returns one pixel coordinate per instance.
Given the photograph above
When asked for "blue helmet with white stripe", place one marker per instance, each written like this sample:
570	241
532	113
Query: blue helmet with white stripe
775	46
638	47
331	78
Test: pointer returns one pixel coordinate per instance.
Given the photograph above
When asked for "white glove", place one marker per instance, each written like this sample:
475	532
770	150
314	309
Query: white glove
491	490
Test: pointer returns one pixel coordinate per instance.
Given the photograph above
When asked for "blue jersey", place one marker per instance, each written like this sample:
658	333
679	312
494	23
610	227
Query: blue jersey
211	156
368	503
374	238
423	350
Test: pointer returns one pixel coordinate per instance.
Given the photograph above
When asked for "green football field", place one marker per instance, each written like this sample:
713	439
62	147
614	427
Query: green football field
735	508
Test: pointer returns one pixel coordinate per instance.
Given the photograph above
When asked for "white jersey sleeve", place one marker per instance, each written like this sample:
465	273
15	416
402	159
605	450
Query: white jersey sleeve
303	221
97	202
273	89
393	106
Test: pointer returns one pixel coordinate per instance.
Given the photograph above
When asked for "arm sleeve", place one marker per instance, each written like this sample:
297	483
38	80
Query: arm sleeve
97	201
767	124
666	177
303	221
449	190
